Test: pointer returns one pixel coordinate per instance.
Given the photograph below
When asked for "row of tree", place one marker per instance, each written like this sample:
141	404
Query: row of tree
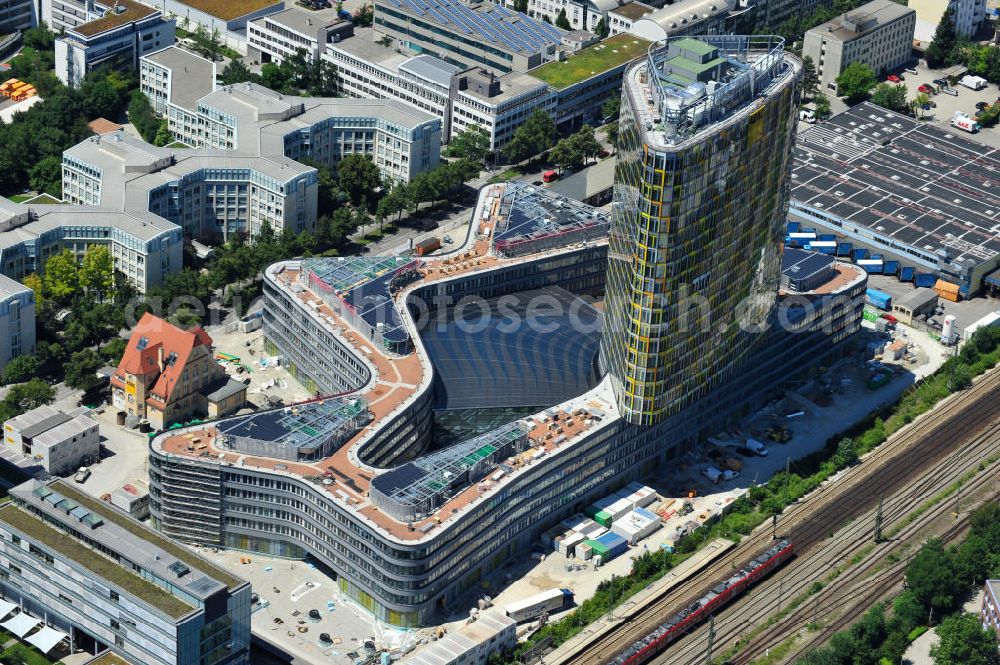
297	74
937	582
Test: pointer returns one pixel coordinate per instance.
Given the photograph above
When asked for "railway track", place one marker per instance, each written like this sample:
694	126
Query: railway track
744	614
883	472
870	580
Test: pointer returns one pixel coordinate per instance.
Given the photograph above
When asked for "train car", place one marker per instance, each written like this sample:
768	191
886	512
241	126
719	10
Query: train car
679	624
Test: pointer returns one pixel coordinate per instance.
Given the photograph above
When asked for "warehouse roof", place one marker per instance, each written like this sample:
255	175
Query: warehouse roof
916	184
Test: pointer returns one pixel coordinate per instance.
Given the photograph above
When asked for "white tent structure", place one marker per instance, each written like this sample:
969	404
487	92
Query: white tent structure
21	624
6	608
47	638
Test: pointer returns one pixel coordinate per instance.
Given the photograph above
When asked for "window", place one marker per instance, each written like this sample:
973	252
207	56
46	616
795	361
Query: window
114	596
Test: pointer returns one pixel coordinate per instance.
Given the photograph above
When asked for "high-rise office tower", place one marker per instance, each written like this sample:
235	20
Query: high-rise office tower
705	136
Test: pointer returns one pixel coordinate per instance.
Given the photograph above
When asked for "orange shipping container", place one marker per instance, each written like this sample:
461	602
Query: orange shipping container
8	85
947	290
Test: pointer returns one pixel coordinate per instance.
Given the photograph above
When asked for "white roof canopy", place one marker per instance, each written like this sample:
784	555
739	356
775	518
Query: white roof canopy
47	638
21	624
6	608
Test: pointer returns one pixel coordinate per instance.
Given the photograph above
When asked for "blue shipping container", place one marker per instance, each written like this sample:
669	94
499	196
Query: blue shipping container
906	274
875	269
891	268
877	298
860	254
925	280
792	227
845	249
616	544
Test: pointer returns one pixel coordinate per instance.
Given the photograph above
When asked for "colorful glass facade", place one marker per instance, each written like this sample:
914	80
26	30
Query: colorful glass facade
700	198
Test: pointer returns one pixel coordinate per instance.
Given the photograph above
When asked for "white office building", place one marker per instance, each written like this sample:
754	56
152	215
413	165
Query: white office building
17	319
473	643
119	33
879	34
969	16
175	77
277	36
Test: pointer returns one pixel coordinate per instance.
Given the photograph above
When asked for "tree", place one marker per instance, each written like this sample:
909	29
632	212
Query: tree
931	577
140	114
919	102
40	38
855	81
81	370
100	98
237	72
207	44
359	177
611	134
810	80
27	396
97	271
612	108
471	143
21	368
163	135
61	277
34	282
989	116
909	611
364	16
562	21
536	134
847	453
941	50
602	28
964	642
822	104
888	96
46	176
521	6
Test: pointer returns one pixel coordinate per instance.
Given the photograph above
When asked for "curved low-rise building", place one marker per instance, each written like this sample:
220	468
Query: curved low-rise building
409	534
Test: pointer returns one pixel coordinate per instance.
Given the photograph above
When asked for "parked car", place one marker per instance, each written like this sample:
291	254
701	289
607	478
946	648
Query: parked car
941	82
82	475
910	70
757	447
730	475
950	91
981	105
892	78
712	473
926	89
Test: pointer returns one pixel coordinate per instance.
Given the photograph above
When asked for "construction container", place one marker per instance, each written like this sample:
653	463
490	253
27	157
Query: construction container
584	551
620	508
614	545
947	290
637	525
925	280
568	544
597	549
640	495
906	274
427	246
7	86
890	268
878	299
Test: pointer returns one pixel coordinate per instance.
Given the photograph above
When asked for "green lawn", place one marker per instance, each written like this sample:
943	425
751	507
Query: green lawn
21	198
32	656
600	57
177	144
46	199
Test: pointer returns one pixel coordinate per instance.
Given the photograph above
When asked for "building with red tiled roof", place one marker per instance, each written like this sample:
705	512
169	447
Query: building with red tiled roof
167	375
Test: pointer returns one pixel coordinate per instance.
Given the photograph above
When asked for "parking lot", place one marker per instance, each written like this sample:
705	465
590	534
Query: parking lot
946	105
965	312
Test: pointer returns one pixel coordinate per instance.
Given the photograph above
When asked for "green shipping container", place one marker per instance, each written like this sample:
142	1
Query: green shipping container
597	548
604	519
591	510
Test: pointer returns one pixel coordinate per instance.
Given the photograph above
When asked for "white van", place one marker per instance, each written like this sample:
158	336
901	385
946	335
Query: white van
807	115
712	473
757	447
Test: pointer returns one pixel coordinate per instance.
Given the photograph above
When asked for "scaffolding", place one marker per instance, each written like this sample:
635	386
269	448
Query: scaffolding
416	489
360	291
534	220
298	433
